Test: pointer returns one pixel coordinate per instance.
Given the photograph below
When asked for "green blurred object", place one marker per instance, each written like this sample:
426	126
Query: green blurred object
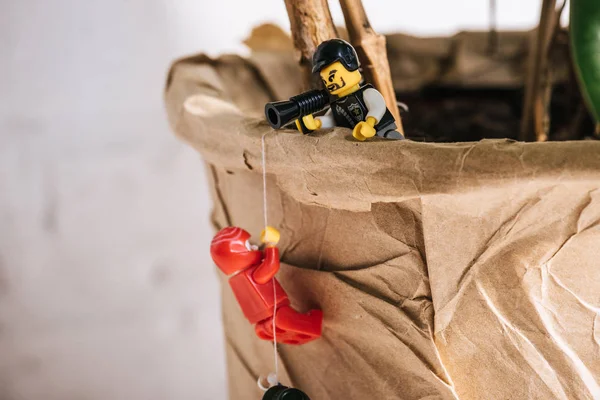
585	41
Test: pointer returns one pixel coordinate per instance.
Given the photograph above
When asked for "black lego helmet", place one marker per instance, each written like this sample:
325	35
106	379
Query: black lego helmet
334	50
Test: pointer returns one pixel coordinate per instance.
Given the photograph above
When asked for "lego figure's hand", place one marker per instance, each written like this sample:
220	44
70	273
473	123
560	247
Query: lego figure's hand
270	236
270	265
310	122
364	129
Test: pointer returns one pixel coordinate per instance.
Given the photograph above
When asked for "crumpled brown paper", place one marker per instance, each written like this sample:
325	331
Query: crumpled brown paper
445	271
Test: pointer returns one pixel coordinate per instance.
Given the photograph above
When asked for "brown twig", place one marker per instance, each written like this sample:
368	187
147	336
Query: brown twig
535	122
372	52
311	24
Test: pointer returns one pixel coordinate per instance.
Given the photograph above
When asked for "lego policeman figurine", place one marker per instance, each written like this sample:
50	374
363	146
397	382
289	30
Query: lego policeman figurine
360	108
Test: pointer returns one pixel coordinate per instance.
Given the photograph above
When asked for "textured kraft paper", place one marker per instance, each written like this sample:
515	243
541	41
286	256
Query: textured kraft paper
445	271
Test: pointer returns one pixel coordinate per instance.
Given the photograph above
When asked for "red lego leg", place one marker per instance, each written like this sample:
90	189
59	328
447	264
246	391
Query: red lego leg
298	328
292	327
264	329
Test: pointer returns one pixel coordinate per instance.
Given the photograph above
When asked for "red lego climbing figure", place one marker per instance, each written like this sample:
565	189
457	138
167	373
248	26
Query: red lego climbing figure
252	281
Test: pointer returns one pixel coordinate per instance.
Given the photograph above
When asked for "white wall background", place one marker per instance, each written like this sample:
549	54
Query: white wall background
106	287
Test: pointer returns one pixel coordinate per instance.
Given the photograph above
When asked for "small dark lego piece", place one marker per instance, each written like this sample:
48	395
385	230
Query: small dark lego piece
281	392
280	113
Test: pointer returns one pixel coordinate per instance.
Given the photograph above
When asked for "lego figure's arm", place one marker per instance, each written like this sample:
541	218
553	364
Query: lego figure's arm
314	123
377	108
269	267
375	104
327	120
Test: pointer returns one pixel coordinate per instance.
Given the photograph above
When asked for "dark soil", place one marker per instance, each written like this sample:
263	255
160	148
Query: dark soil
449	114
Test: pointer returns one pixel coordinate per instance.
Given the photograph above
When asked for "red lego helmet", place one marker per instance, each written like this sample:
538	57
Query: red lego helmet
231	250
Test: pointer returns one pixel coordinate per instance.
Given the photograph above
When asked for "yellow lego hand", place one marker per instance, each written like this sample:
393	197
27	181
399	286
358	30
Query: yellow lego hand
310	122
270	236
364	129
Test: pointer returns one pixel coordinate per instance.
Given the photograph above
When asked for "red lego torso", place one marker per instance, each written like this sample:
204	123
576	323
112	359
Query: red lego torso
256	299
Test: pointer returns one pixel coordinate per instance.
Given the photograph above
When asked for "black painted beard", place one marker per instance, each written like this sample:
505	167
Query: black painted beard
334	86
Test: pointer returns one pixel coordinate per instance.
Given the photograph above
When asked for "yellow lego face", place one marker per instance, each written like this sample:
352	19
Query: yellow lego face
337	79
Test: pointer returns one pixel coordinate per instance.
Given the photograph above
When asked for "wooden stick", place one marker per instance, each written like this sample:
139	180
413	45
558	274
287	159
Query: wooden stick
535	122
311	24
372	53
